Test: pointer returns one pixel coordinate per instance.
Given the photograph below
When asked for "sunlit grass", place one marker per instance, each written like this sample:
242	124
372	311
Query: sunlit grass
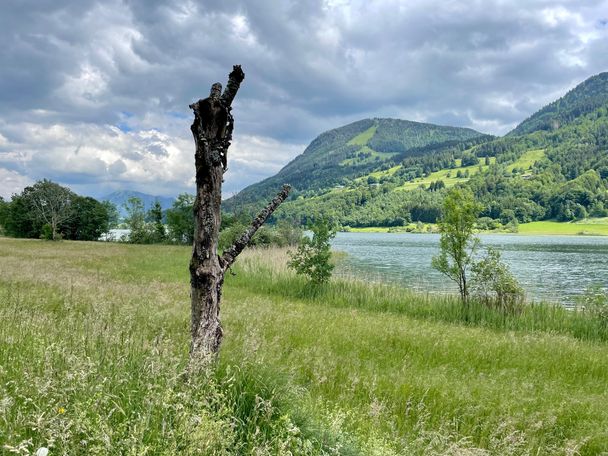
597	227
94	343
363	138
448	176
527	159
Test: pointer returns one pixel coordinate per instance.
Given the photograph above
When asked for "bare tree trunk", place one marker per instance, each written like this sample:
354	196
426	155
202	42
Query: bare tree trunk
212	130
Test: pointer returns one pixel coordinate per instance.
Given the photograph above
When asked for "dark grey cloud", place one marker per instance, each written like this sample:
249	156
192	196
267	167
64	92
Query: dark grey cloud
95	93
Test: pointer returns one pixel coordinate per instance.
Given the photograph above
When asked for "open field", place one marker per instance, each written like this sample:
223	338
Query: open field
527	160
95	342
598	227
586	227
448	176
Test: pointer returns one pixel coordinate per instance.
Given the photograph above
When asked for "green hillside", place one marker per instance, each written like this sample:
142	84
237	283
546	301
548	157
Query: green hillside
385	172
338	156
585	98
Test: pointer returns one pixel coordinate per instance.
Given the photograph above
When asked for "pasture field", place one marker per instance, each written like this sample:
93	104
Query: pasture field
595	227
94	349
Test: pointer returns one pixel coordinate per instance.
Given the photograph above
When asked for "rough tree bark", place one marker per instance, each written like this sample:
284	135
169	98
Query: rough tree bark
212	131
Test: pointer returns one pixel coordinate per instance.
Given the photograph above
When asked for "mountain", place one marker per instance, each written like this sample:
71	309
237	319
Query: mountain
119	198
387	172
342	154
583	99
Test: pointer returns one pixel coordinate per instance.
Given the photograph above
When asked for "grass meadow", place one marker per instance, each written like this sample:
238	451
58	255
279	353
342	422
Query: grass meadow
591	226
94	347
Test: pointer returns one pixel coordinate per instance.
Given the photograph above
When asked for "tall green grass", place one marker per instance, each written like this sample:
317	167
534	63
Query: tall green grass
91	366
94	344
264	272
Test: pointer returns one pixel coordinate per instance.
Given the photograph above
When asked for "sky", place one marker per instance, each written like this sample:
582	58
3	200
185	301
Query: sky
94	95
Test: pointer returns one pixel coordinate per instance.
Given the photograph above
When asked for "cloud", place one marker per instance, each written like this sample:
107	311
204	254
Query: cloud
94	94
253	158
98	159
11	182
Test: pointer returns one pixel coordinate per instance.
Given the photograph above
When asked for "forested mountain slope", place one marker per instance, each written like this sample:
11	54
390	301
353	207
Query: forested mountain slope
337	156
384	172
583	99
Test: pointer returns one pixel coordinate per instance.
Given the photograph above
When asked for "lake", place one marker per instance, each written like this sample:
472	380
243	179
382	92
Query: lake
550	268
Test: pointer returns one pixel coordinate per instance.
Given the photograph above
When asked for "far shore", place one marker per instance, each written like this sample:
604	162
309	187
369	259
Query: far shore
587	227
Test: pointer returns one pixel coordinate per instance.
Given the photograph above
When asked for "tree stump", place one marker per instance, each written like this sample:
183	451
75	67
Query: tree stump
212	131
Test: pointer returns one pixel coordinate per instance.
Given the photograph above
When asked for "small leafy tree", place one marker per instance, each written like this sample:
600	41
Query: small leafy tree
113	214
457	245
136	221
180	219
156	216
312	258
495	286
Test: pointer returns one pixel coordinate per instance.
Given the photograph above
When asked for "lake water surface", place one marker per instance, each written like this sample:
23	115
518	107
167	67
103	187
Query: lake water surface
551	268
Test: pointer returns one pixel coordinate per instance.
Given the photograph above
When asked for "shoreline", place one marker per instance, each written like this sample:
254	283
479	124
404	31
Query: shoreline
540	228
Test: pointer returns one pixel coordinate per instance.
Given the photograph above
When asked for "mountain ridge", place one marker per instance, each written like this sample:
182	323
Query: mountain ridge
553	165
341	154
120	197
586	97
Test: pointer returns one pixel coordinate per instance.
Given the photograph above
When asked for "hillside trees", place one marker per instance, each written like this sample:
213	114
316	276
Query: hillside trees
531	174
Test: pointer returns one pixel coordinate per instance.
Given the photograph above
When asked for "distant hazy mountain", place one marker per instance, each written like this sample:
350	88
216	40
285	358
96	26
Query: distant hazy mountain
119	198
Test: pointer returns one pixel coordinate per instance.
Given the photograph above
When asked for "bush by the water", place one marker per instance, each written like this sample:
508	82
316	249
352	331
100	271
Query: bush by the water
495	286
594	302
312	258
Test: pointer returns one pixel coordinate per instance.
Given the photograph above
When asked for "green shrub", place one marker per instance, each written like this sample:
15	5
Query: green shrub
595	303
312	258
46	232
495	286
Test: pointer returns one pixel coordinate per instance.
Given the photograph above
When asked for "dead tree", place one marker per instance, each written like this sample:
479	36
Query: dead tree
212	130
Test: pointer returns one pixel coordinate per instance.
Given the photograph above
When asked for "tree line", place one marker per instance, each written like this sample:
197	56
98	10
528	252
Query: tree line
47	210
50	211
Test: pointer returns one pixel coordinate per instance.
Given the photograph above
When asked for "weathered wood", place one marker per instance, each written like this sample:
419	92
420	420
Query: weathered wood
212	131
232	252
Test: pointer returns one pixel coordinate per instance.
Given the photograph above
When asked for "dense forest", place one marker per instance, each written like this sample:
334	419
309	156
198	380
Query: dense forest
384	172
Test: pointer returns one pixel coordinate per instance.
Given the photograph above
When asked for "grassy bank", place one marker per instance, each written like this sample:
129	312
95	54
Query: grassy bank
589	227
586	227
97	339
